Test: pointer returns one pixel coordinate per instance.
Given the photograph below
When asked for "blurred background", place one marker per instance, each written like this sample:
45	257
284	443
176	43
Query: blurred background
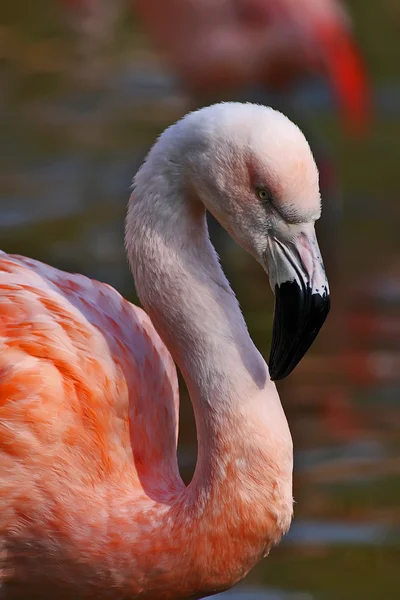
87	85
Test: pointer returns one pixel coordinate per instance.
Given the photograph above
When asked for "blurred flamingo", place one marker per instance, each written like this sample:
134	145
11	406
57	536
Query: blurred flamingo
91	499
227	45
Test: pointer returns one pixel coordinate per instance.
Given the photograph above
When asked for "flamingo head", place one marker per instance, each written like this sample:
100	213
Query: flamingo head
254	171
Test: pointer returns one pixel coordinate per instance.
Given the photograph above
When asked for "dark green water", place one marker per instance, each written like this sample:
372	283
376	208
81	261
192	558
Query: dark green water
69	148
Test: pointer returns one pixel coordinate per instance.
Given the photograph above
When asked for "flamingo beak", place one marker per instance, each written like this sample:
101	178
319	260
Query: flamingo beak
345	71
297	277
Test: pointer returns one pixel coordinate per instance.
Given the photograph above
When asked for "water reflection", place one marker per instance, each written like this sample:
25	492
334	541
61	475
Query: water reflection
69	159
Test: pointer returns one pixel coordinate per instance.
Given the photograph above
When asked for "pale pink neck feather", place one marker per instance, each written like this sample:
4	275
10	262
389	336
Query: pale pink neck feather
241	491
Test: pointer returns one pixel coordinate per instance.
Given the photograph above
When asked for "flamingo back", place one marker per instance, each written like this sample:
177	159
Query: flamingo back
88	401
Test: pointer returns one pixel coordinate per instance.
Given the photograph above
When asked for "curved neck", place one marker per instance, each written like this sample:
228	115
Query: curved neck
185	292
244	445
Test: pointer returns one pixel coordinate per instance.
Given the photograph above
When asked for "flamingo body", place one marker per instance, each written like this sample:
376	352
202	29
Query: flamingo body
88	434
80	367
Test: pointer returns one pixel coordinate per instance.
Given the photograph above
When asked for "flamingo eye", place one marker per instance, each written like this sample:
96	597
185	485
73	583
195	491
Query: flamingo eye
263	194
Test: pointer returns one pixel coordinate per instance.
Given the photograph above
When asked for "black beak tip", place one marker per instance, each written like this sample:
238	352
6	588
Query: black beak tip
298	317
275	375
278	372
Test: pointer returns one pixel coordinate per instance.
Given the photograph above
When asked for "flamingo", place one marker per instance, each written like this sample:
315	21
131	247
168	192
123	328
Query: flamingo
91	500
224	46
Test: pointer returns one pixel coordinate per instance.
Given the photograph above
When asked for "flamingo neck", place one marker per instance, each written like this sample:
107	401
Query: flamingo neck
185	292
244	445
